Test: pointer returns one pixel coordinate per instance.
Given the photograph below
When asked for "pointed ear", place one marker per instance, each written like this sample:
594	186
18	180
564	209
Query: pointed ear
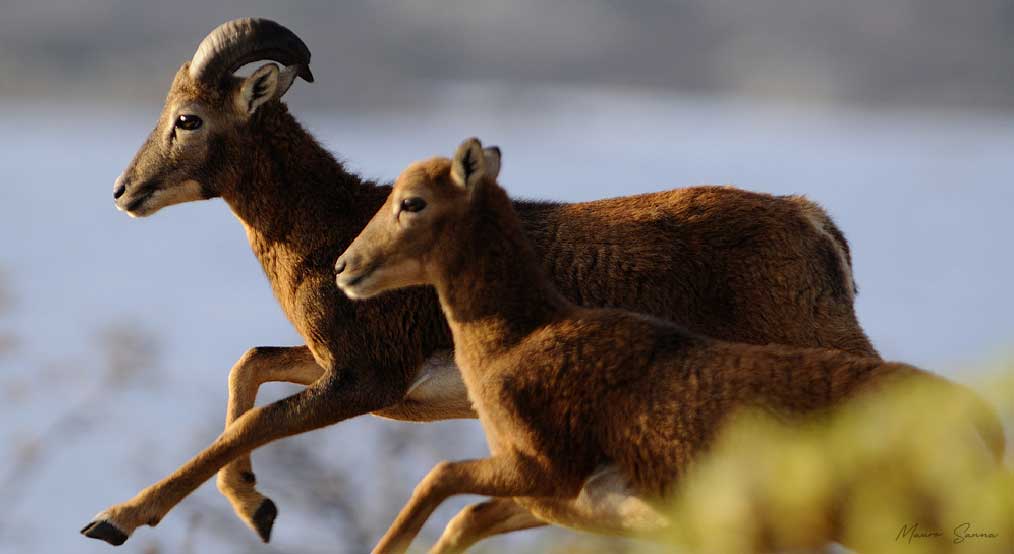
492	157
258	88
469	164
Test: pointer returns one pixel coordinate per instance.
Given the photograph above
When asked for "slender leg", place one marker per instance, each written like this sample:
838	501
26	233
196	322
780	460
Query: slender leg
332	398
481	521
605	504
258	366
497	476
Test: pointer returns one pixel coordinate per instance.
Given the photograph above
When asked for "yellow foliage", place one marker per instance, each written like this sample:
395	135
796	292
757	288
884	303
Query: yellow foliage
900	472
904	471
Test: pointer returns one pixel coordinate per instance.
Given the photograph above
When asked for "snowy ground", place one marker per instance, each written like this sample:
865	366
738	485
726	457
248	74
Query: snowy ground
924	197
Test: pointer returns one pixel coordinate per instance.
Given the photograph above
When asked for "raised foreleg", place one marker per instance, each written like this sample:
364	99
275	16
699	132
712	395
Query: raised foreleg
258	366
436	394
334	397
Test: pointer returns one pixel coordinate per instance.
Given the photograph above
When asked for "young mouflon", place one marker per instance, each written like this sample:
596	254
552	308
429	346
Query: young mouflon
592	415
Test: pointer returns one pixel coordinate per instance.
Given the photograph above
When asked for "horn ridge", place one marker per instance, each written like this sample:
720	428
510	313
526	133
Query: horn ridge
241	41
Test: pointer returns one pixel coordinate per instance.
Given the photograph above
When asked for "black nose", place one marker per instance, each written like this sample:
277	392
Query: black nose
119	187
339	266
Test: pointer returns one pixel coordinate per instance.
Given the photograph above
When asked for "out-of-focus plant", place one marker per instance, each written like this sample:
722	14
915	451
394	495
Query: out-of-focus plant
899	472
129	351
8	341
5	296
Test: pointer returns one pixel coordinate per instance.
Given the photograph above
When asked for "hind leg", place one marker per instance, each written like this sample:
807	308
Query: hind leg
501	476
481	521
606	504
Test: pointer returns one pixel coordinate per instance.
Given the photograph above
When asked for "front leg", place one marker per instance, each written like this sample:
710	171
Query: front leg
502	476
335	397
259	365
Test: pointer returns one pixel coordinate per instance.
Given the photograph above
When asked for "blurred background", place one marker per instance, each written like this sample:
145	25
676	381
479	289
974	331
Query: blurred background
116	336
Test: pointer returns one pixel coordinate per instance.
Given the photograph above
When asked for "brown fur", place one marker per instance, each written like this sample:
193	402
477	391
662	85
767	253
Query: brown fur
724	262
562	390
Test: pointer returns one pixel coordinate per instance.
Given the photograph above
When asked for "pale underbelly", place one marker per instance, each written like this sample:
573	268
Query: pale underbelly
605	505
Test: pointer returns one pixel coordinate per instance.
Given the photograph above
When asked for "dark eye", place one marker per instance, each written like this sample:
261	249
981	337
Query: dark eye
413	204
188	122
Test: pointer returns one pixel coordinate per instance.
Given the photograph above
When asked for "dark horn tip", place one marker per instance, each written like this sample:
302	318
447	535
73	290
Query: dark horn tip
305	73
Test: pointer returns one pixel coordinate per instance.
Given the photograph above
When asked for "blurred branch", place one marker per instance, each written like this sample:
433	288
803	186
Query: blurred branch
129	352
328	497
8	341
6	300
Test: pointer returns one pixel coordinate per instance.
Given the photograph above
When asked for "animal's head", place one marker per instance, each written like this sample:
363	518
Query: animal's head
193	151
396	248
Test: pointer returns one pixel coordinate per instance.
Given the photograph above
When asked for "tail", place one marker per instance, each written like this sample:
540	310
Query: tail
823	223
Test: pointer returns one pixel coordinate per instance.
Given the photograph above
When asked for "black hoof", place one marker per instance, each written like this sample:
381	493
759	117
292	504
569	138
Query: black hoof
264	519
103	530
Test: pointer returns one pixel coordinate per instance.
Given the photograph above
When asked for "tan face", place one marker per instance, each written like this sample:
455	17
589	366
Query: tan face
196	145
395	249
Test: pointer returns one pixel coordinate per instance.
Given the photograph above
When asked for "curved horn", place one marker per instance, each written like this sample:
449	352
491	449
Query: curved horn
241	41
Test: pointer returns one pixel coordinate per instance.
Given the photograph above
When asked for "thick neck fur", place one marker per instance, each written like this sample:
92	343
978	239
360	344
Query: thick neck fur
299	208
288	169
492	287
293	194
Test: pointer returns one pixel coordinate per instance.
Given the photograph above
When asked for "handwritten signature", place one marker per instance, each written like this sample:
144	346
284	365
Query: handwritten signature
961	533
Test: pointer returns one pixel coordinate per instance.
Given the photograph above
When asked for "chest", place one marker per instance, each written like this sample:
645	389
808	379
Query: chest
301	281
516	413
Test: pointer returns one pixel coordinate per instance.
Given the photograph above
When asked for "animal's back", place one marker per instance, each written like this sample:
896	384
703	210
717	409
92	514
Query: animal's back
724	262
673	407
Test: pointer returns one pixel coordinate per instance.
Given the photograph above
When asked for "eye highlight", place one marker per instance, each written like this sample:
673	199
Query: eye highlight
188	122
413	204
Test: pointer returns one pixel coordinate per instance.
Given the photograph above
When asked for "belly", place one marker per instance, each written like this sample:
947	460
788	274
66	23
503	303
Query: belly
606	505
437	393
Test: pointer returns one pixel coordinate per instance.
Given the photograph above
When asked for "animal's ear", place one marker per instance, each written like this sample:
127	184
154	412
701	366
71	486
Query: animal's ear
492	156
469	164
258	88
